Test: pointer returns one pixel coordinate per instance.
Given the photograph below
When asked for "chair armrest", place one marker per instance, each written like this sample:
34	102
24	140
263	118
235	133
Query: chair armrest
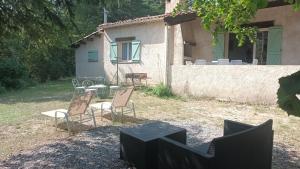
175	155
231	127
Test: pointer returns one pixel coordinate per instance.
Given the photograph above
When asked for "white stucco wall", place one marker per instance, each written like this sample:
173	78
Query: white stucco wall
239	83
85	68
286	17
153	51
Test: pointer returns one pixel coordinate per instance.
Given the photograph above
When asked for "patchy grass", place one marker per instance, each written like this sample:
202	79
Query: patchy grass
22	127
22	105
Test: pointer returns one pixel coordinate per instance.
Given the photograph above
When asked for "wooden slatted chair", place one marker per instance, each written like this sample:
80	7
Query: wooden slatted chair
120	101
78	108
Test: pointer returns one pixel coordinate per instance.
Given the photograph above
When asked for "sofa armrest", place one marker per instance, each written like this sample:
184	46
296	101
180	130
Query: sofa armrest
175	155
231	127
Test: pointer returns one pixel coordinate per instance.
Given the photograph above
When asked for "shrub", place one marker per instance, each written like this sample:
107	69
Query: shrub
286	94
160	90
2	89
11	73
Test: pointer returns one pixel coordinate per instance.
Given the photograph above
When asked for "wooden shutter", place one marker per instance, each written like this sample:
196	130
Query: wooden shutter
93	55
274	46
113	52
218	48
136	51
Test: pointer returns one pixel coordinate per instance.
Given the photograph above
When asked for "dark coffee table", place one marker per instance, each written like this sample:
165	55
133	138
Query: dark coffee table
138	145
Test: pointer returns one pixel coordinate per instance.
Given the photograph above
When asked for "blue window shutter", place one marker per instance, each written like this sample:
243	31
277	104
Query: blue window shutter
218	48
93	55
136	51
113	52
274	46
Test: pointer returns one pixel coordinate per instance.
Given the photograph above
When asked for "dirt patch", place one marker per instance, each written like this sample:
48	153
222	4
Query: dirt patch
202	118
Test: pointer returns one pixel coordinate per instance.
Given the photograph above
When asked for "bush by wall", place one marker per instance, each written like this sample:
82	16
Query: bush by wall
160	90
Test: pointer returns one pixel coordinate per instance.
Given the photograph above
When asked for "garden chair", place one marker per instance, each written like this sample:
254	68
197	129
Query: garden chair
77	108
121	101
78	88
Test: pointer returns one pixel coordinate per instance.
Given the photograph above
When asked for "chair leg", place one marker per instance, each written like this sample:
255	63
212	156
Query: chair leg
93	116
101	114
55	123
80	123
68	125
112	113
133	109
122	116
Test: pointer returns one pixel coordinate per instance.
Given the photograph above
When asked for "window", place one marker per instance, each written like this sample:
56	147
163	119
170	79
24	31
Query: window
126	51
93	56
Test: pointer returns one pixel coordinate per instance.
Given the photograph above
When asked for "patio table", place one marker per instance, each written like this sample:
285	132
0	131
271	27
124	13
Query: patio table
100	89
139	145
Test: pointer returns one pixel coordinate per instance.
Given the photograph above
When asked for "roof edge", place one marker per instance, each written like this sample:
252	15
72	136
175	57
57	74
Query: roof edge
140	20
77	43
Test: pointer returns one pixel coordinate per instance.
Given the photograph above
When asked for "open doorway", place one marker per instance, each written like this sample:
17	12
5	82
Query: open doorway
249	53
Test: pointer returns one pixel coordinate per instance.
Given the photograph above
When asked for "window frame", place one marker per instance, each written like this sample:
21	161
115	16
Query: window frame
129	52
92	60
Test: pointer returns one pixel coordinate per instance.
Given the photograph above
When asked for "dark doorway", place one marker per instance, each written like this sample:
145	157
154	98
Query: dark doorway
236	52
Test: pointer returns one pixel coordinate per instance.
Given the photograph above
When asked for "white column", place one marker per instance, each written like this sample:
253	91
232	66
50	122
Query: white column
178	46
167	55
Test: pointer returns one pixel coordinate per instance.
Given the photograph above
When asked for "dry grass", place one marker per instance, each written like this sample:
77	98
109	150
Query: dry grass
25	128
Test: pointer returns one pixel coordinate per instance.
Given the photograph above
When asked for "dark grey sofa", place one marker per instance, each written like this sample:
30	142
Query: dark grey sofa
242	147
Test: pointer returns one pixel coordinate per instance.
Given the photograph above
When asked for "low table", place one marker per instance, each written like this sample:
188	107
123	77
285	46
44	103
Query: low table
138	145
100	89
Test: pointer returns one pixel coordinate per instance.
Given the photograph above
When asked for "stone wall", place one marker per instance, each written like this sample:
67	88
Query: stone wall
239	83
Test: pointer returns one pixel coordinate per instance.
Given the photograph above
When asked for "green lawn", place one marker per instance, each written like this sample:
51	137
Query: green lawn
22	105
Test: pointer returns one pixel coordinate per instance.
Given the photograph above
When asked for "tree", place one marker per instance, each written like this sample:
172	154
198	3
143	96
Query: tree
228	16
36	35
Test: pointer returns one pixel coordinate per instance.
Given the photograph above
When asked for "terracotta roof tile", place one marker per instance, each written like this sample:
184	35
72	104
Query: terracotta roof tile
140	20
90	36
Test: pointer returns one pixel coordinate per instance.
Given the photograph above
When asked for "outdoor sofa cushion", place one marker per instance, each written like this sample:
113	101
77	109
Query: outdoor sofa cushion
242	147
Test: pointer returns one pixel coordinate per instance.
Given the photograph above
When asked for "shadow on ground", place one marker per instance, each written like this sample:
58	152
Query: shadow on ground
99	148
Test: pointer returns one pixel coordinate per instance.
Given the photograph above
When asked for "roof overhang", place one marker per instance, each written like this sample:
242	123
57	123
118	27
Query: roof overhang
180	18
89	37
141	20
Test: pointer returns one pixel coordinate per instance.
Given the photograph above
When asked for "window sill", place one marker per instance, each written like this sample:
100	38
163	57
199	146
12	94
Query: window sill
127	62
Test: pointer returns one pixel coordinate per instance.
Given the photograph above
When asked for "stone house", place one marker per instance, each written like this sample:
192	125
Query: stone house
168	49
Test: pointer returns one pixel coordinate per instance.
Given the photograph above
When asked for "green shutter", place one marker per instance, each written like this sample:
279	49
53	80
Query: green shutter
136	51
218	48
93	55
274	46
113	52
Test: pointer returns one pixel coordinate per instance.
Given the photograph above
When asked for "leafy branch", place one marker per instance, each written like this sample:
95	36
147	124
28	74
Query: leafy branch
227	15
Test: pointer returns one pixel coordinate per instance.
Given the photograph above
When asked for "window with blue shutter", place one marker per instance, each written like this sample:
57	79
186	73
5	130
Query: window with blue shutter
136	51
93	56
274	46
113	52
218	49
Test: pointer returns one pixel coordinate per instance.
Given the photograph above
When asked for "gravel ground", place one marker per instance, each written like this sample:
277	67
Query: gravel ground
99	148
